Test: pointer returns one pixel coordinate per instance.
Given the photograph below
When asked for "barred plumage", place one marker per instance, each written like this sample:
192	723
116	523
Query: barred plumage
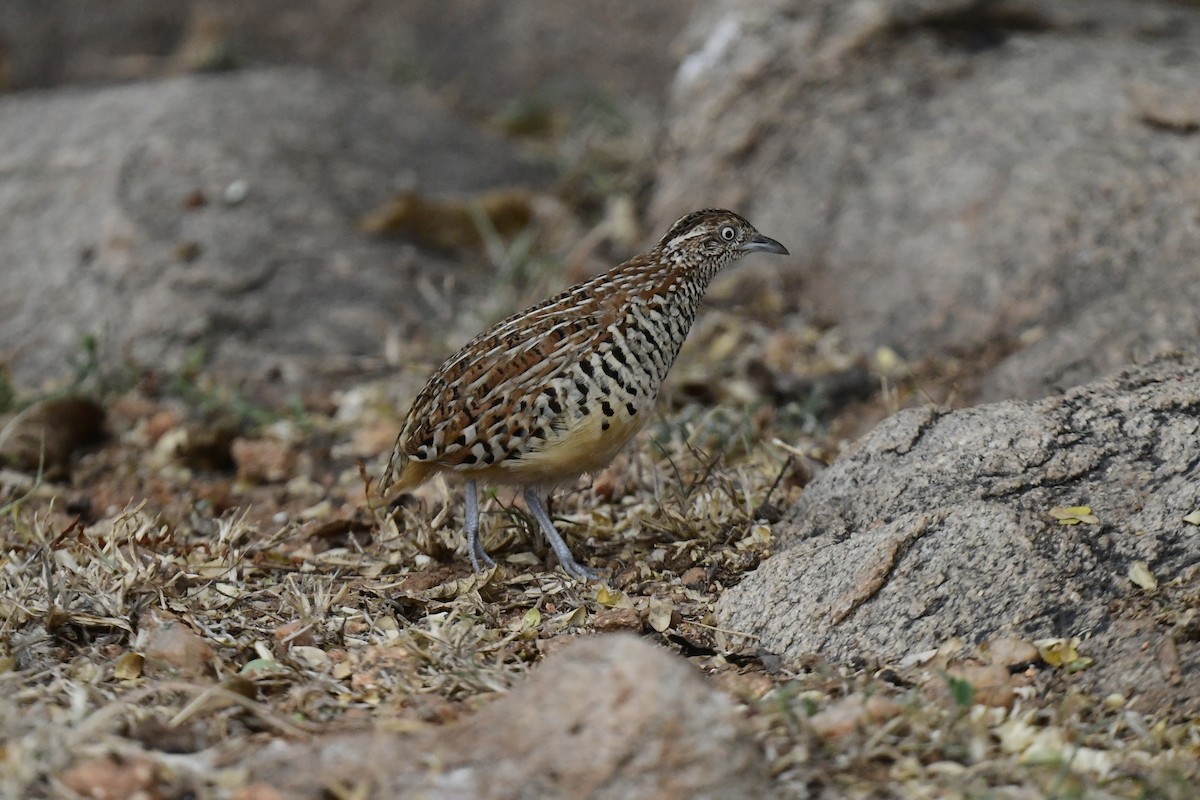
557	390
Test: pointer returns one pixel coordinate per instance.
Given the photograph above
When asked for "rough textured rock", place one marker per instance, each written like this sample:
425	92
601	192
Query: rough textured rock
960	177
938	524
518	48
121	217
606	717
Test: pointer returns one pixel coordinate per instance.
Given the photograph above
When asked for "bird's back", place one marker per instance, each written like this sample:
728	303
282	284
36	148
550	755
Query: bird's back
556	390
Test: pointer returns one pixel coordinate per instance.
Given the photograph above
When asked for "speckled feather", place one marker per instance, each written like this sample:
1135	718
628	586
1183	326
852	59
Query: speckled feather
556	390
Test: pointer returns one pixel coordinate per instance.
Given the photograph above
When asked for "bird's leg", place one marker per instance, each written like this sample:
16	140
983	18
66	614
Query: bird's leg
474	546
537	505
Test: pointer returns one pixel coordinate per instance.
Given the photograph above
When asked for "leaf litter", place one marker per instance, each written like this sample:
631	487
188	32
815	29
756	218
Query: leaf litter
169	609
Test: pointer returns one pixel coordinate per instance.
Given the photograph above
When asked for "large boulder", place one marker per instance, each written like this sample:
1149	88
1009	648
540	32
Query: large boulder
480	57
217	216
606	717
965	178
947	524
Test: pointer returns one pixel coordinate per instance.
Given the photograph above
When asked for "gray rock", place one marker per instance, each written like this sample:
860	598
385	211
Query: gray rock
479	57
217	215
938	524
959	177
607	717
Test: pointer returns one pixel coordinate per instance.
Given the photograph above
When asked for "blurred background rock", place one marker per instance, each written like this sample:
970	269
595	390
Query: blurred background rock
998	195
478	57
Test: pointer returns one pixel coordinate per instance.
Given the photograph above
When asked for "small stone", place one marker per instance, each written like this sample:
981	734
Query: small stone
235	192
745	686
694	578
616	619
649	724
194	199
1011	652
112	778
295	633
263	460
607	483
380	666
171	646
158	424
188	251
852	712
991	684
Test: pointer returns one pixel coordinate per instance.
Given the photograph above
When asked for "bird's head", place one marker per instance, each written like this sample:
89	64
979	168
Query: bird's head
714	235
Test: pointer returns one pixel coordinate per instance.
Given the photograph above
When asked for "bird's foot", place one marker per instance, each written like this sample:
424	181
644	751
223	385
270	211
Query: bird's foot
481	557
578	571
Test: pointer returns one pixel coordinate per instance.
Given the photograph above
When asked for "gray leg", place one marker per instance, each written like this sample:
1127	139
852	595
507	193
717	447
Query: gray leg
572	567
474	546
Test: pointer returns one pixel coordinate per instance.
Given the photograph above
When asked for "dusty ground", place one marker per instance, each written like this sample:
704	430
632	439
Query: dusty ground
207	577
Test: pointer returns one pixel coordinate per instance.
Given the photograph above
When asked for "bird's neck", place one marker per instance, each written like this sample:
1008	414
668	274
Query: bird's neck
667	310
682	283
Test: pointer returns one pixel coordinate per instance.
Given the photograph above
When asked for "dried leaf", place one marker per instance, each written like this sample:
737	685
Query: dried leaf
1193	518
258	667
452	588
612	598
1059	652
567	619
238	684
338	530
1139	573
313	657
452	224
531	619
95	621
129	666
1074	515
387	627
608	597
1046	748
1080	664
659	615
1016	734
758	536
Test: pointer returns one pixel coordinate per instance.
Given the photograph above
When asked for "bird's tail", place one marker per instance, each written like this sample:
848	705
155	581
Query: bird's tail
411	475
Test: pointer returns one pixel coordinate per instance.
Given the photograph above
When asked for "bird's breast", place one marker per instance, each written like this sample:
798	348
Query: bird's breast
576	446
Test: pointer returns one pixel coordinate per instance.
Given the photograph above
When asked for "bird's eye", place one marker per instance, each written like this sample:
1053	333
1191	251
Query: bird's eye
727	233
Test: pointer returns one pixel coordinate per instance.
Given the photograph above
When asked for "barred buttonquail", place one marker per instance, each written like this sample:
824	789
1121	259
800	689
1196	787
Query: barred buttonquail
555	391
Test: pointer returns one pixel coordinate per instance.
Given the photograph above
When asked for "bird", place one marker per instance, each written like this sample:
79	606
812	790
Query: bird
556	391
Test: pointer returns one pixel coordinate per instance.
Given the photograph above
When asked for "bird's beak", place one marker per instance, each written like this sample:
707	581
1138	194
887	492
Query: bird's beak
763	244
